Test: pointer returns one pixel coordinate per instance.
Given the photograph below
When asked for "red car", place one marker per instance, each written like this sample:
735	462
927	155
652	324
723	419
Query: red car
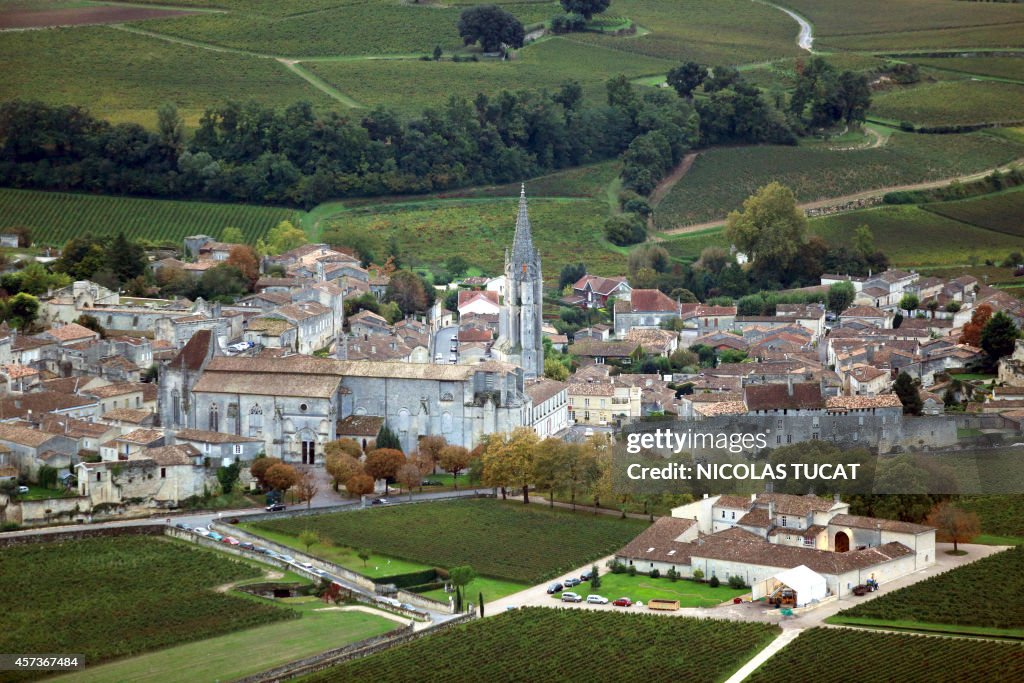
230	540
622	602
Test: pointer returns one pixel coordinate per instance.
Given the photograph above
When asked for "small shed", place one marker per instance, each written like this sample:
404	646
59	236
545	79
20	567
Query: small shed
807	584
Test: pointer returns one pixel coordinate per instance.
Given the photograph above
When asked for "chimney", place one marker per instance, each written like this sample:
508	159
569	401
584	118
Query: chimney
836	499
771	512
789	385
753	497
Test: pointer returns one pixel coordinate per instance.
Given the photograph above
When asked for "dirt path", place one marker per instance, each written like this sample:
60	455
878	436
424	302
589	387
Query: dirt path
669	181
269	575
804	39
851	198
319	83
368	610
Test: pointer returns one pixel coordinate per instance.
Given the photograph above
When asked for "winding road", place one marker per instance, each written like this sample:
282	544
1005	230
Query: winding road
805	39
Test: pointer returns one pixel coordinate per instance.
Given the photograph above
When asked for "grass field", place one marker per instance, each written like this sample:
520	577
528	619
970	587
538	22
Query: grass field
642	588
55	217
951	102
503	540
427	231
117	597
410	86
722	178
910	24
980	594
122	76
844	655
996	67
371	27
910	235
244	653
1001	213
540	644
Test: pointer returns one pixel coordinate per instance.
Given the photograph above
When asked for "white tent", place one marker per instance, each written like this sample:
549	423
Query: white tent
809	585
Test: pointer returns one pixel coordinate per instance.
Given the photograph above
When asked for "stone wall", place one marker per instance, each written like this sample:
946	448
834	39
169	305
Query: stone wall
58	535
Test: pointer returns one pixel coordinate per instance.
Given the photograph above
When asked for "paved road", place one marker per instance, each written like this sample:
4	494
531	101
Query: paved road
443	342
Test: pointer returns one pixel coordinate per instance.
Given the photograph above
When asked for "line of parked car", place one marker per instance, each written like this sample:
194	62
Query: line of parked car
593	599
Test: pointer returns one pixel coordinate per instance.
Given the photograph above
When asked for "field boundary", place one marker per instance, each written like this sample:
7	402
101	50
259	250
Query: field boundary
928	629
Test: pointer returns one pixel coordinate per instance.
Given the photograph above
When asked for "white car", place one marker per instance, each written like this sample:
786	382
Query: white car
596	600
306	565
23	489
202	531
438	357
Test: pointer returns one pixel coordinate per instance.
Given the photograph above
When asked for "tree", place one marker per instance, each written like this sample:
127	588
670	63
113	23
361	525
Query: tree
363	555
259	468
342	467
281	477
864	241
508	460
431	447
953	524
232	235
359	485
456	265
170	128
409	477
228	476
625	229
345	446
571	273
932	305
92	322
387	438
909	303
244	258
383	463
282	237
588	8
454	459
998	338
125	259
308	538
490	26
460	577
686	78
971	333
437	53
771	228
553	369
595	578
840	296
905	388
548	467
306	486
408	290
581	469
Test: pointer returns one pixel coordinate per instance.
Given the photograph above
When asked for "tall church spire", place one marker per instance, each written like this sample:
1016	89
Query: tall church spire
522	244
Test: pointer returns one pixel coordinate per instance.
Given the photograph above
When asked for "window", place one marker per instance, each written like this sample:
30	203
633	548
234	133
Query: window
213	421
733	515
778	439
723	514
176	408
256	420
99	476
789	438
779	424
237	449
814	436
784	522
303	407
163	472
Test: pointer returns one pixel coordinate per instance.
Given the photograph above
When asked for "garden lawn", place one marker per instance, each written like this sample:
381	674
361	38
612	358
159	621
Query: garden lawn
642	588
951	103
375	566
116	597
722	178
981	595
244	653
541	644
504	540
829	655
55	217
124	77
493	589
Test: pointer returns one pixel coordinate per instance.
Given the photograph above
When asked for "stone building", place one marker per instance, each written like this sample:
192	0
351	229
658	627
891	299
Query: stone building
520	321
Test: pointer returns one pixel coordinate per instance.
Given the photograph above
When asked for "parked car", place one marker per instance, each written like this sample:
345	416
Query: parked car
202	531
23	489
288	558
245	545
231	540
571	582
555	588
276	507
306	565
215	536
438	357
597	600
430	482
587	576
183	527
622	602
391	601
569	596
379	501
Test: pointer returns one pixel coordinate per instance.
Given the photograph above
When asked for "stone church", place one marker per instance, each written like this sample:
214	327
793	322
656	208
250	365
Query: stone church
520	339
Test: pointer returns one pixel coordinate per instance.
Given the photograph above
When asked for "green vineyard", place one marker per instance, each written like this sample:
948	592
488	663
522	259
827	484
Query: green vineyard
849	656
55	217
541	644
